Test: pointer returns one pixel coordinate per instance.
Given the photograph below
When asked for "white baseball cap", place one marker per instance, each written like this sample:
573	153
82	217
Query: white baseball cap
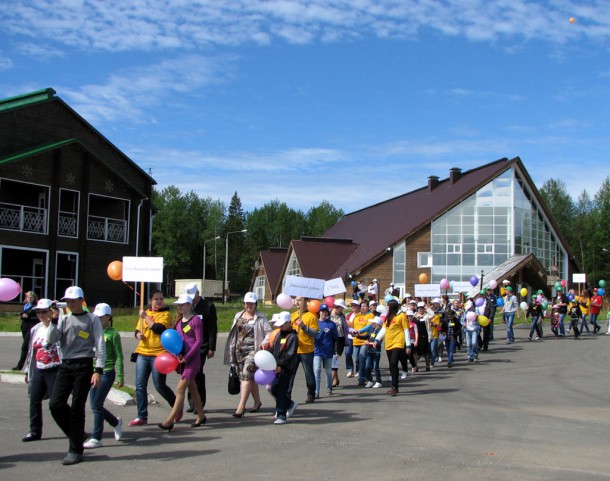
409	312
250	297
340	303
184	299
74	292
436	300
102	309
372	303
191	289
283	318
43	304
377	320
421	304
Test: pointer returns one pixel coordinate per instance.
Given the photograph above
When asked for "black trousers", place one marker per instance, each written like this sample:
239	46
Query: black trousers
25	334
394	357
73	378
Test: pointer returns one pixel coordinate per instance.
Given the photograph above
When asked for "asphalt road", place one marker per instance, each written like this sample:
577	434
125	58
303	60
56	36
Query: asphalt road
530	410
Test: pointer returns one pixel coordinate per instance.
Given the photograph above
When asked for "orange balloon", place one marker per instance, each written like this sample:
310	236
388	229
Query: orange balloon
313	306
115	270
423	278
572	20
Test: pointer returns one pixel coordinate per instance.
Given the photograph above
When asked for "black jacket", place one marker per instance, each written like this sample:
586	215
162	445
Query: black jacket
209	324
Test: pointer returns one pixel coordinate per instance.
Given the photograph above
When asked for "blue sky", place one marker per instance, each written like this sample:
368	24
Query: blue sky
350	101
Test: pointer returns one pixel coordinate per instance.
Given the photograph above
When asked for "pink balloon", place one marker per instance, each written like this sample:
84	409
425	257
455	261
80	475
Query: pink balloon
284	301
329	301
444	284
471	316
9	289
166	363
564	283
493	284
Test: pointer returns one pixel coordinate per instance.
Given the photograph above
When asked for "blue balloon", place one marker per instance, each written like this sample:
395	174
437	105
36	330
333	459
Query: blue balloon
171	341
500	302
571	297
389	298
601	291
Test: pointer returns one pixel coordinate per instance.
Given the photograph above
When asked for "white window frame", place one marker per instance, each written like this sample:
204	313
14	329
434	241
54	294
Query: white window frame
420	257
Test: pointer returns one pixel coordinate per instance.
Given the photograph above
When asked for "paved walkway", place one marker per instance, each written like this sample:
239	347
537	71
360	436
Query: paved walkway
531	411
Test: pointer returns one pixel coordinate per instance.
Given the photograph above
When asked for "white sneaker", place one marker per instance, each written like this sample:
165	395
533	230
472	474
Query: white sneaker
370	384
349	374
377	385
292	409
275	415
118	432
92	443
440	359
279	421
403	375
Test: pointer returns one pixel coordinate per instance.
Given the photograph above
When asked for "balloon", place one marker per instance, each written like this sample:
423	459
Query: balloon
502	291
264	377
601	291
563	283
166	363
329	301
353	283
423	278
284	301
171	341
483	321
474	280
544	305
479	302
602	283
313	306
388	298
9	289
539	298
265	360
570	297
499	302
493	284
557	285
523	292
471	316
523	306
451	284
444	284
381	309
115	270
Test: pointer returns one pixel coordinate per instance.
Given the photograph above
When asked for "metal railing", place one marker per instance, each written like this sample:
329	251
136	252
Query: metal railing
107	229
23	218
67	224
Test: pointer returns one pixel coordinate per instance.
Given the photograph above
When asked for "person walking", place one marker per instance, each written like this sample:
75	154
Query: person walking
509	311
29	319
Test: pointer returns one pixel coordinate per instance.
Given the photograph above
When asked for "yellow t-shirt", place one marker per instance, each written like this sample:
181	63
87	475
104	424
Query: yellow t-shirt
587	304
360	321
395	332
150	344
306	342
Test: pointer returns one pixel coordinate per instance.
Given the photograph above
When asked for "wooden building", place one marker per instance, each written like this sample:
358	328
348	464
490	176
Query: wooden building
70	201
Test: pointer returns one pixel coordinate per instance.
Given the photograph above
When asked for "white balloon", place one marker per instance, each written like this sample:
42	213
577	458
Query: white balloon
265	360
284	301
493	284
381	309
523	306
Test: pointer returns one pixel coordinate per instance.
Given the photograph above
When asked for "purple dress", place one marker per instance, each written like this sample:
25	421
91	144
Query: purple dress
190	332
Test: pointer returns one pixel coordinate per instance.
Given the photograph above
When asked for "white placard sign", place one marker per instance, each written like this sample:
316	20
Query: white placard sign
427	290
304	287
579	278
143	269
462	287
334	286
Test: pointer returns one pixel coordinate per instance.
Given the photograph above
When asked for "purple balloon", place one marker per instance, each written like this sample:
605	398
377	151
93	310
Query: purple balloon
474	280
479	302
264	377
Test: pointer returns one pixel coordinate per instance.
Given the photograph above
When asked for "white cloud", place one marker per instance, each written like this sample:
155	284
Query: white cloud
5	62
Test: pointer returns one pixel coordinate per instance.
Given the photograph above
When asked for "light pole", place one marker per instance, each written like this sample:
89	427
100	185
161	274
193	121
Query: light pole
203	276
225	282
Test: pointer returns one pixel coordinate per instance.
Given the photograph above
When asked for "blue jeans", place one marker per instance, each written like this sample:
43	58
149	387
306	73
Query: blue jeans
450	349
533	328
306	360
320	362
584	324
562	327
349	354
433	351
360	354
41	382
372	364
510	319
97	396
145	366
594	321
472	343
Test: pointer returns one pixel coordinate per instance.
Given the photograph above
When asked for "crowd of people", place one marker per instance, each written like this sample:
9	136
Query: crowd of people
79	354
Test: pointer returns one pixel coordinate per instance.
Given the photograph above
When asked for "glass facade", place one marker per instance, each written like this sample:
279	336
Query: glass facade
484	230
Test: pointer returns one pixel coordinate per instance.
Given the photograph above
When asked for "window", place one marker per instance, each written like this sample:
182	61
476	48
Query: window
293	266
23	206
424	259
67	222
108	219
259	288
454	248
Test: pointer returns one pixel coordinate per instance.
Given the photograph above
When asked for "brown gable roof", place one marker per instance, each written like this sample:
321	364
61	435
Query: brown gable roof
273	259
320	257
382	225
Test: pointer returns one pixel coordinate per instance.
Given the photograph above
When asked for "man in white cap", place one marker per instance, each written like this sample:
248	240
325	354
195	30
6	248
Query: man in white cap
206	309
81	338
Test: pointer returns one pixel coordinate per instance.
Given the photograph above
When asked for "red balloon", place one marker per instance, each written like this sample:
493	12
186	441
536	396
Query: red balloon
166	363
329	301
313	306
115	270
564	283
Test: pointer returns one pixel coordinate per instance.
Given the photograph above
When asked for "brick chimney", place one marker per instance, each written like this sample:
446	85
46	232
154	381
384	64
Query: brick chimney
455	174
432	182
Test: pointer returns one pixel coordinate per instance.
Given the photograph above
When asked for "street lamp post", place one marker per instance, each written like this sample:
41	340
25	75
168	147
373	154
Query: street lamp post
225	281
203	275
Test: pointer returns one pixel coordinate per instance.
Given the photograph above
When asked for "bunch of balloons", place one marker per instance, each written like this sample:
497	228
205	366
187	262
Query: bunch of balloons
266	364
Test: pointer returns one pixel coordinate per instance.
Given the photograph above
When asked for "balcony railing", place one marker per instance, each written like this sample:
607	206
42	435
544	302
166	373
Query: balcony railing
106	229
23	218
67	225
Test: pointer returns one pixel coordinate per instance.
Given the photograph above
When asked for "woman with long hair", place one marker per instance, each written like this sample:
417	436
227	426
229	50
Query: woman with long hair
395	331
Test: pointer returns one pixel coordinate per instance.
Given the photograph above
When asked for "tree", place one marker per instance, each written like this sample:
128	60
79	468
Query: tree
321	218
561	205
239	280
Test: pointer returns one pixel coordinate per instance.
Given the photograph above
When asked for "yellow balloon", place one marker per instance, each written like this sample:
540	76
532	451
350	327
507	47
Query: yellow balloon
483	321
523	292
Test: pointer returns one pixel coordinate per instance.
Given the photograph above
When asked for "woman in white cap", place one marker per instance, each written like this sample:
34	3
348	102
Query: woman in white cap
112	370
41	366
250	329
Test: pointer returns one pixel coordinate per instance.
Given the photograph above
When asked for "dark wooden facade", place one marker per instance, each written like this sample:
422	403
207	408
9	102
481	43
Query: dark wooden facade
70	201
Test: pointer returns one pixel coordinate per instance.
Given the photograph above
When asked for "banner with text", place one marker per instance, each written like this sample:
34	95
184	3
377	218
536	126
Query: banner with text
304	287
334	286
143	269
427	290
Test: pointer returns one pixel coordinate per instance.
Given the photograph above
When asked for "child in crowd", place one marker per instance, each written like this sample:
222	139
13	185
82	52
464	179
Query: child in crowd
324	349
284	349
555	317
575	316
373	355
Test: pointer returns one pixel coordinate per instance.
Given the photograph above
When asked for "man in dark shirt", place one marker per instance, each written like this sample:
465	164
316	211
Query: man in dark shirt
207	310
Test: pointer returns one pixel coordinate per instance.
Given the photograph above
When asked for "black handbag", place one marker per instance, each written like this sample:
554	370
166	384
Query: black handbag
234	384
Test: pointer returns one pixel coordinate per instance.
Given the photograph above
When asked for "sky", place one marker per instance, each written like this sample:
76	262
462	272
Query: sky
349	101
